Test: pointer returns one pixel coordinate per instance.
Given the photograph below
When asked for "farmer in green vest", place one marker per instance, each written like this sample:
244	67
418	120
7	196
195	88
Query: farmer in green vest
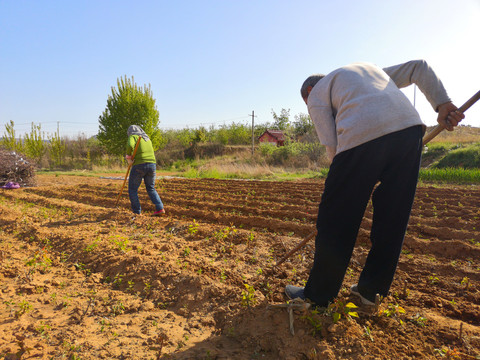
144	167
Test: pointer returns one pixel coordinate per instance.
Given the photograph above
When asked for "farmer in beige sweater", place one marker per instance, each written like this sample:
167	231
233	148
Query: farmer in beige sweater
372	134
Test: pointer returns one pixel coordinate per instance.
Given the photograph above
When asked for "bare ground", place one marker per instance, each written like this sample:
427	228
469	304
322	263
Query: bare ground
81	279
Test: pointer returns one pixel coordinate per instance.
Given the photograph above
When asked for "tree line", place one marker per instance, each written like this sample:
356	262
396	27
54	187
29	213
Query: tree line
129	104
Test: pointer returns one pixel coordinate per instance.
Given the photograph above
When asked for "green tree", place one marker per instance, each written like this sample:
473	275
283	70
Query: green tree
302	124
35	146
282	120
200	135
128	105
57	148
9	141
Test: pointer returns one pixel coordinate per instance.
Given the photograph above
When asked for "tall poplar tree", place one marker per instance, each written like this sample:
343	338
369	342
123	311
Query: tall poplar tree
128	105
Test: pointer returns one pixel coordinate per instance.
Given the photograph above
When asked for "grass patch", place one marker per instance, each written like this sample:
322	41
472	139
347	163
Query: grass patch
450	175
467	157
88	173
253	172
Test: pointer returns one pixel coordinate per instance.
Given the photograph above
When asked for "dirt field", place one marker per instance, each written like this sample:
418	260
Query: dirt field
80	279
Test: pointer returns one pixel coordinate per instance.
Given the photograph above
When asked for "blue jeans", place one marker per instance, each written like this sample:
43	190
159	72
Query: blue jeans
147	173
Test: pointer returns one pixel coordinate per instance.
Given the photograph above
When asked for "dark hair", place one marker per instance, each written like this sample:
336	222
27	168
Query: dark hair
311	81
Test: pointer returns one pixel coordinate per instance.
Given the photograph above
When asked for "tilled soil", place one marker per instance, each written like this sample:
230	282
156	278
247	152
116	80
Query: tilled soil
82	279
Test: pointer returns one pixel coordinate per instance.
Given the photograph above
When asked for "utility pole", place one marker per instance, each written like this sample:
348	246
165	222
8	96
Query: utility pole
414	94
253	133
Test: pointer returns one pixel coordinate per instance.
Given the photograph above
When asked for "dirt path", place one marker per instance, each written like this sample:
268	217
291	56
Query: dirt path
80	279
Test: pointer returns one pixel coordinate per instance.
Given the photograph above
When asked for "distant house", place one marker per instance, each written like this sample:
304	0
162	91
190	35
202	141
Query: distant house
273	137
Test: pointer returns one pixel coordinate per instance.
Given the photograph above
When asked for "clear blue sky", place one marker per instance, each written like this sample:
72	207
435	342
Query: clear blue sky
216	61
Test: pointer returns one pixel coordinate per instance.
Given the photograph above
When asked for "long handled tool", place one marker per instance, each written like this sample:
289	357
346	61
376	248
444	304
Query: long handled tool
128	170
296	248
437	130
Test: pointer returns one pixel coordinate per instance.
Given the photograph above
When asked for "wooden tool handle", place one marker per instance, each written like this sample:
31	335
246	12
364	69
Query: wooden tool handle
296	248
128	170
439	128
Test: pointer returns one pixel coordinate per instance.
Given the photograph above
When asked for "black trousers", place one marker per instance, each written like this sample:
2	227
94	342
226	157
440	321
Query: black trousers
392	160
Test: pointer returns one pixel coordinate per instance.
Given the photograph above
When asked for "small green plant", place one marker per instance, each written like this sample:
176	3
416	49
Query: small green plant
394	311
147	288
117	280
224	233
433	279
338	308
250	238
40	261
65	301
223	277
121	243
43	329
118	308
186	252
465	283
447	353
130	286
82	267
419	320
24	307
315	321
11	306
368	333
193	228
248	296
93	245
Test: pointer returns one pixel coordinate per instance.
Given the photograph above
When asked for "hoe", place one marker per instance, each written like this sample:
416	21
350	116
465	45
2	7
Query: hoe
128	170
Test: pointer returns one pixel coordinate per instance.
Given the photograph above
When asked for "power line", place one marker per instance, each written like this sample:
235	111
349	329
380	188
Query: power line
220	121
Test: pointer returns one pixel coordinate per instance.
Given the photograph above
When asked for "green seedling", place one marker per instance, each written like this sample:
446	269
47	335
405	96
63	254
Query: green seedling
448	353
466	283
368	333
130	286
11	306
93	245
338	308
121	243
24	307
193	228
419	320
43	329
315	321
394	311
223	277
117	280
248	296
40	261
250	238
147	288
118	308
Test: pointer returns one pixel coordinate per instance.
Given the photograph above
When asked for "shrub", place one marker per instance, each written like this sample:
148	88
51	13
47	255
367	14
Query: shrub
466	158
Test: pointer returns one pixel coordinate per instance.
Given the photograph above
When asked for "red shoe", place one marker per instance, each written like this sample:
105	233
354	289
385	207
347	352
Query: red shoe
159	212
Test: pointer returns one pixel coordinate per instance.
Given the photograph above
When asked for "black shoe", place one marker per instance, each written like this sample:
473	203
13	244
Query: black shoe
354	291
294	292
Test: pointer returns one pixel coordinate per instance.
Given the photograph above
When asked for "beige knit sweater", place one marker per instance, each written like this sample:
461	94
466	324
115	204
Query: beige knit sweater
361	102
